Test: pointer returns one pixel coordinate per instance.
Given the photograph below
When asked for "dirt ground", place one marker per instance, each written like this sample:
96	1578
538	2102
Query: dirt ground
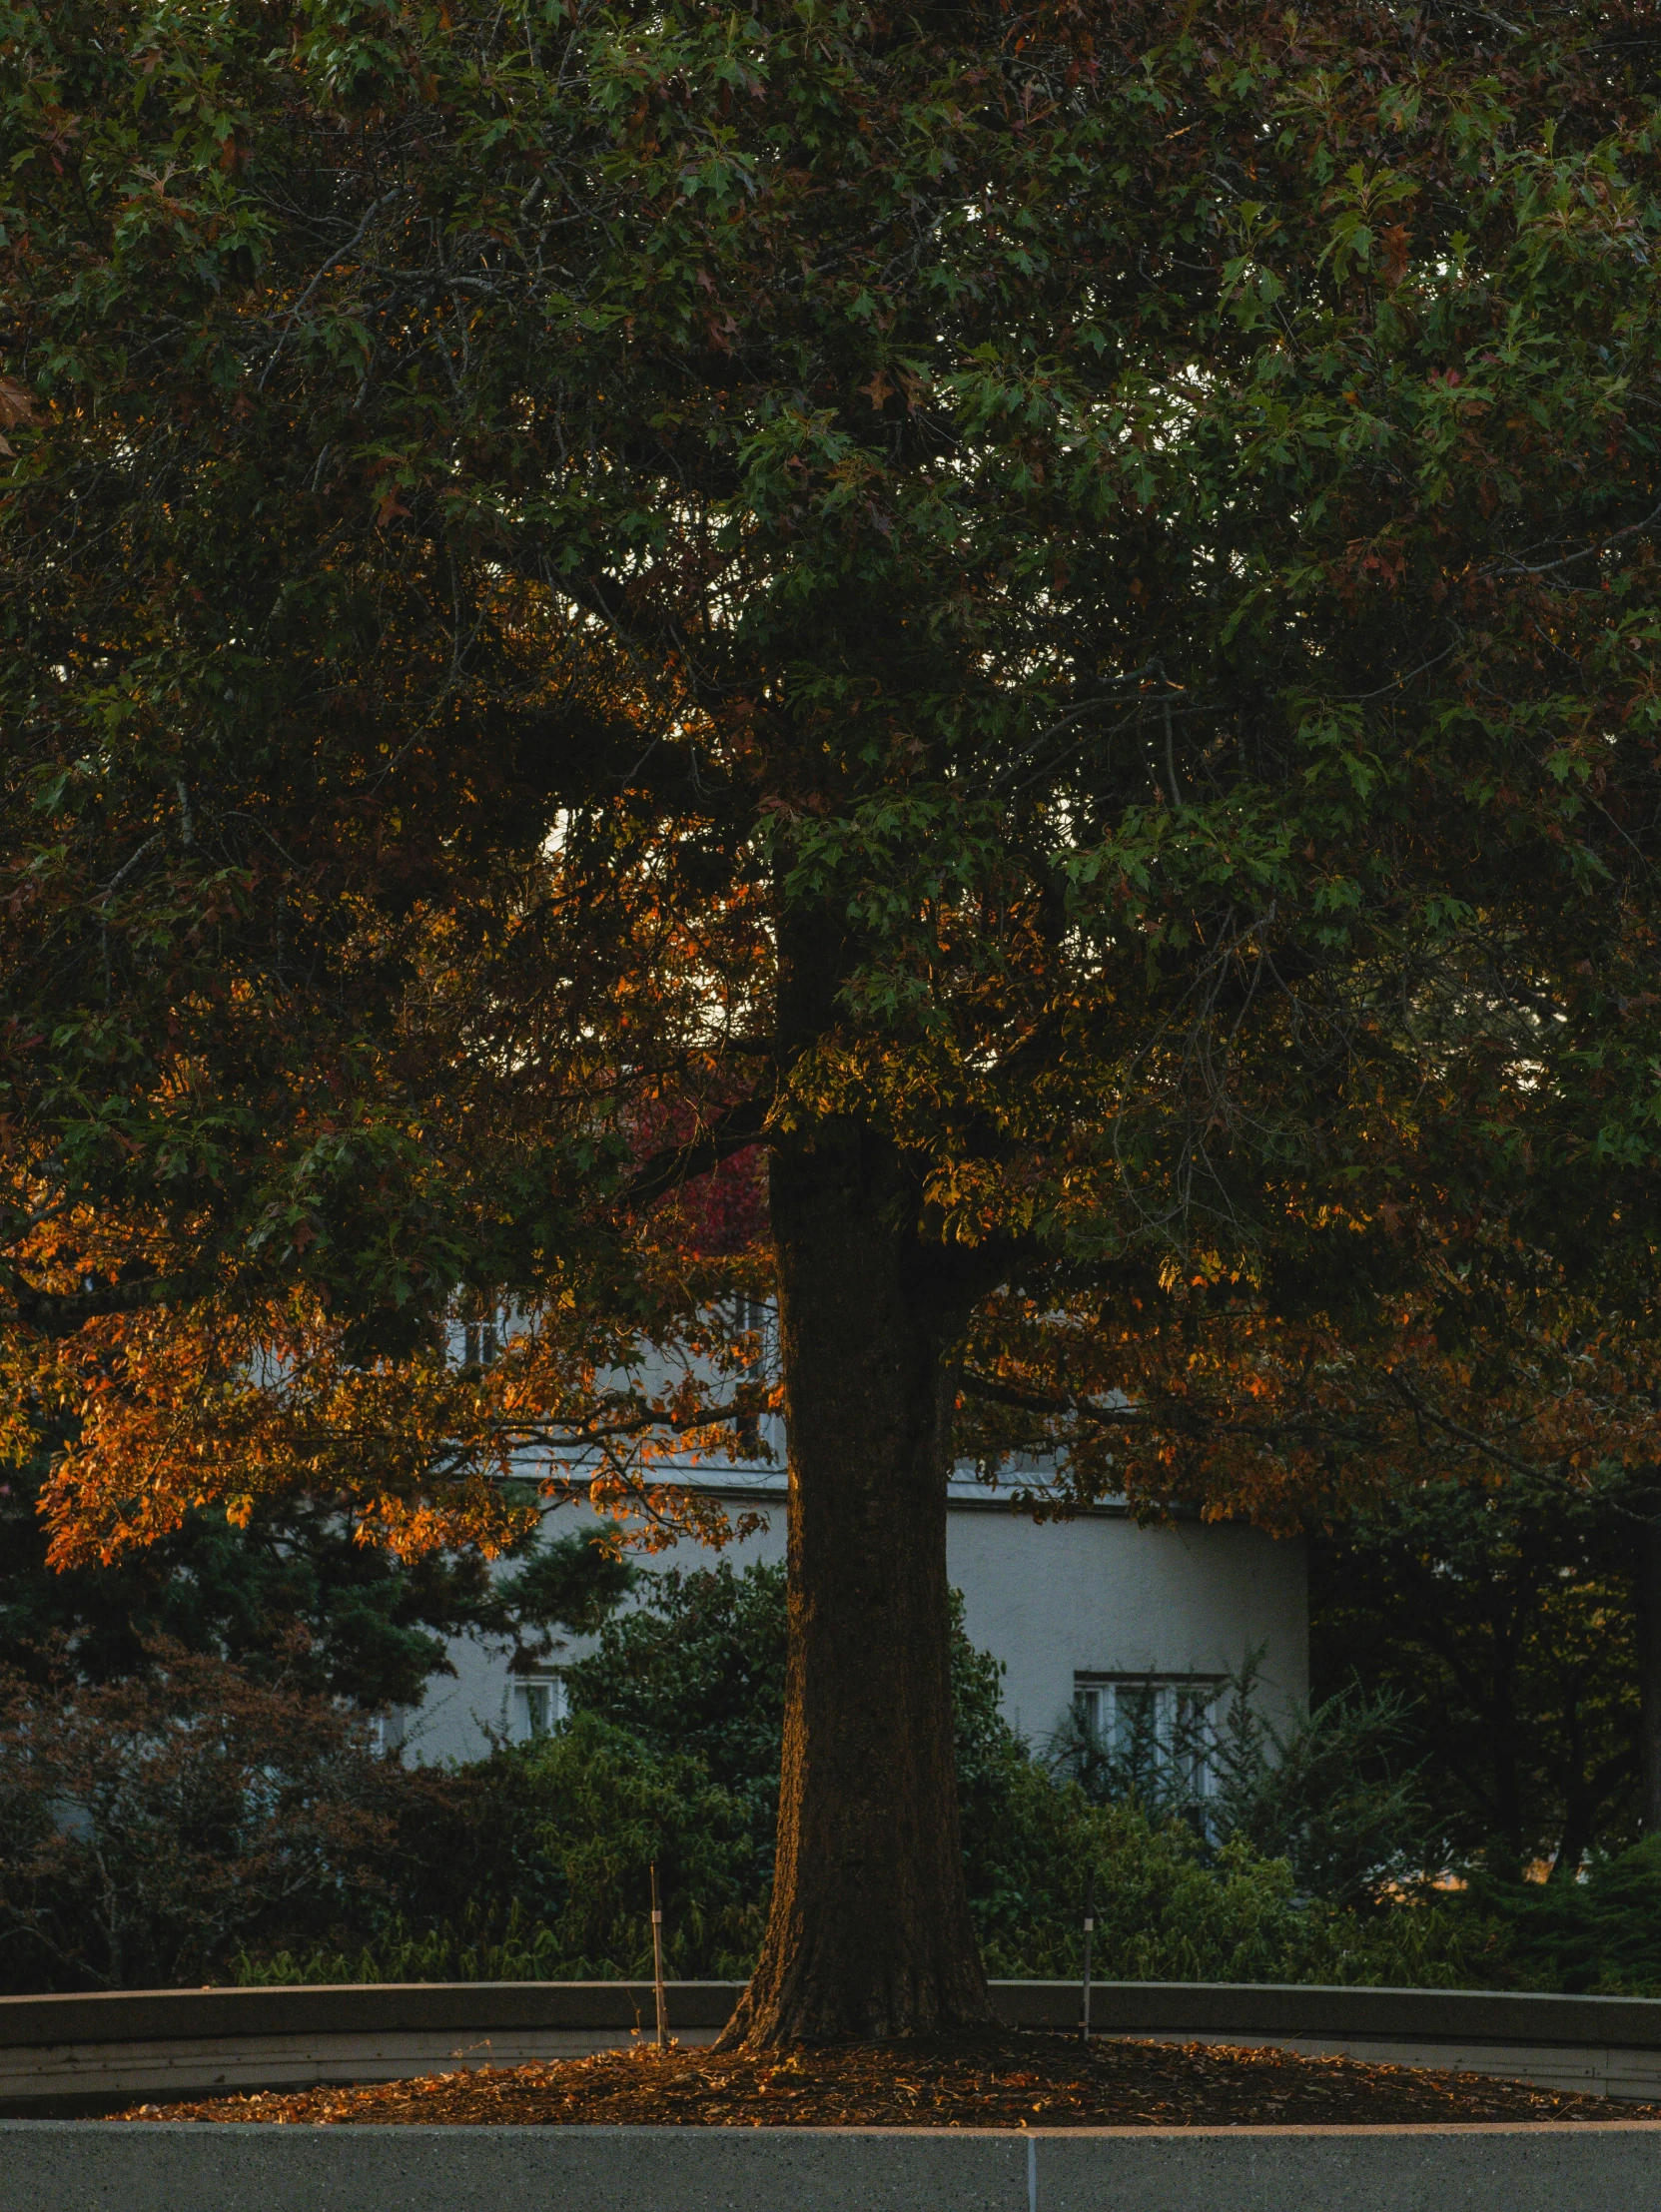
1002	2080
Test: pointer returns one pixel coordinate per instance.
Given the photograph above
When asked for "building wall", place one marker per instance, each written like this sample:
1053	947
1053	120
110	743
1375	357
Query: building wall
1101	1596
1051	1599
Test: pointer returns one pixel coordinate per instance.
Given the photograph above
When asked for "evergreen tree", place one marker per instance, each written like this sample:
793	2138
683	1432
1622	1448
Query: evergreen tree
289	1597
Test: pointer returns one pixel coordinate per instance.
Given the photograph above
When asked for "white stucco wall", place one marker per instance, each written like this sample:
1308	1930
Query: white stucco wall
1100	1595
1095	1595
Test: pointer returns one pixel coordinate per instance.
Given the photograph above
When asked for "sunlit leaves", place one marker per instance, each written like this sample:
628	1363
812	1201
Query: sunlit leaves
1141	534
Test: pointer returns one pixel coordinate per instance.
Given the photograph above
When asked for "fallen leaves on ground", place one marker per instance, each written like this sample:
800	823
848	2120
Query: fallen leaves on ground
997	2080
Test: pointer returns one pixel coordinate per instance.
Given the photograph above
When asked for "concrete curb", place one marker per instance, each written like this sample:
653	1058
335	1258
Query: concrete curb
60	2166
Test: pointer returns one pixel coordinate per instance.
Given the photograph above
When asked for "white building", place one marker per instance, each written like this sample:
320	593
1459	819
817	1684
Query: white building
1094	1607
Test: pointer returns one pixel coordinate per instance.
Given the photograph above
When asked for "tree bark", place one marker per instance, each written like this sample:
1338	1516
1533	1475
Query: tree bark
870	1934
1646	1592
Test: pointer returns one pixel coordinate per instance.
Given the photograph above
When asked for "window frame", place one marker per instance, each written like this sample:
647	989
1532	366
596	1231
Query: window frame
546	1685
1183	1731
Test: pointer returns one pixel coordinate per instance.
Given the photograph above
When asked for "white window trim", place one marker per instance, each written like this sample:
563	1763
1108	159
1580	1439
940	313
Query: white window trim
1101	1697
539	1705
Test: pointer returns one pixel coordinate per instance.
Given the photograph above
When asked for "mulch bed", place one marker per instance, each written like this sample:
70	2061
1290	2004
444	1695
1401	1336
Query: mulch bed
1001	2080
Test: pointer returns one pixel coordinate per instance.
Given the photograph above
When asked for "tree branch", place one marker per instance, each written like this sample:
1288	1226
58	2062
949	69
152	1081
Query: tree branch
735	1131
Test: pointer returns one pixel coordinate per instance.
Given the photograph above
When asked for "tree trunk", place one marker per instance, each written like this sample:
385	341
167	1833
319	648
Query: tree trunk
870	1934
1646	1592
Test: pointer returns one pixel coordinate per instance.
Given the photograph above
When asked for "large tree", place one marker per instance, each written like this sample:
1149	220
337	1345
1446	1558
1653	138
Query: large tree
1047	614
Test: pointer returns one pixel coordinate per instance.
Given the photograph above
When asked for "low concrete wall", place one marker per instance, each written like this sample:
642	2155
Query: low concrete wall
85	2054
53	2166
61	2055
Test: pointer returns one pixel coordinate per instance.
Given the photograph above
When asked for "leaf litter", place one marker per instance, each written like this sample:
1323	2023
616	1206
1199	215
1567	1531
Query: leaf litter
997	2080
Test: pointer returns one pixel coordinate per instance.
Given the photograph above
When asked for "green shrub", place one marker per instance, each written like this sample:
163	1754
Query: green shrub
1170	1908
1330	1788
594	1809
673	1753
221	1826
611	1806
697	1669
1598	1936
1165	1910
471	1948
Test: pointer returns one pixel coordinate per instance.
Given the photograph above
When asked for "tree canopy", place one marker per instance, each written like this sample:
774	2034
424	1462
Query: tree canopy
1046	612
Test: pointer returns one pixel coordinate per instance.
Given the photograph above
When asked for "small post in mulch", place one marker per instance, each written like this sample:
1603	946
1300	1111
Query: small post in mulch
658	1962
1090	1929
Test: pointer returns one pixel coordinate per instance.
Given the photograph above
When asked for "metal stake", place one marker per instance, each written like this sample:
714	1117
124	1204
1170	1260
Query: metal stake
658	1962
1090	1931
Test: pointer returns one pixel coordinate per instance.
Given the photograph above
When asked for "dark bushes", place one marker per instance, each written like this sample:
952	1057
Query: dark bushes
196	1826
673	1754
147	1827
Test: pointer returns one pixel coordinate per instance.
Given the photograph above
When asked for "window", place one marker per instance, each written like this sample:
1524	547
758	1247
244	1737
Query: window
480	1343
539	1705
752	1316
479	1328
1153	1728
387	1730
